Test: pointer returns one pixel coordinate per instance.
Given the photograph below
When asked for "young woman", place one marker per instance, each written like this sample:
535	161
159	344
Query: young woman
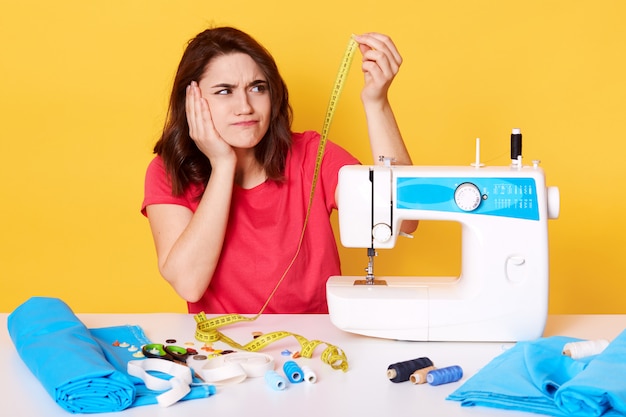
227	193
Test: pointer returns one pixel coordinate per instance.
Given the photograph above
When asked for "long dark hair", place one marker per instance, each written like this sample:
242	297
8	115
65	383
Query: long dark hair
184	162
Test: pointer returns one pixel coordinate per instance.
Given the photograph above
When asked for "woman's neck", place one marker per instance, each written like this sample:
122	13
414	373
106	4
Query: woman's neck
249	172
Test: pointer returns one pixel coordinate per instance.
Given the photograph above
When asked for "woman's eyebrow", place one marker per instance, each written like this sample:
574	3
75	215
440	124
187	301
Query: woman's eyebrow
250	84
257	82
223	85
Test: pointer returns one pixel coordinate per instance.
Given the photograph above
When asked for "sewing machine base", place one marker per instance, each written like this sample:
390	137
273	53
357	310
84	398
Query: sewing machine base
429	309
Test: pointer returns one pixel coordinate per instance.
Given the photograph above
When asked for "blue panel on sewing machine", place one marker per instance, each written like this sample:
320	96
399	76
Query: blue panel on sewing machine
504	197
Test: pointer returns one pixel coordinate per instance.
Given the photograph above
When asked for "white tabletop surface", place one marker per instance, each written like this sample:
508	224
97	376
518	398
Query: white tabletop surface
364	390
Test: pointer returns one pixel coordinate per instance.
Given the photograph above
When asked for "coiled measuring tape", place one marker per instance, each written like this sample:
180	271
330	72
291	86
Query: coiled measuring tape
207	329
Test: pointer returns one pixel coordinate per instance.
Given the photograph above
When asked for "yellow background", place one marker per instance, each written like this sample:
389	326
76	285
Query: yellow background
83	92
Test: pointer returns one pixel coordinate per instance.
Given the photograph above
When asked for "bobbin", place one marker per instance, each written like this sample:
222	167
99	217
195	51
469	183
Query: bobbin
275	381
293	372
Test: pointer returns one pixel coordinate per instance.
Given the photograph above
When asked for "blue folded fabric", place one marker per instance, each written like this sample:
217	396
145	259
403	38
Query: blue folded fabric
601	387
536	377
80	368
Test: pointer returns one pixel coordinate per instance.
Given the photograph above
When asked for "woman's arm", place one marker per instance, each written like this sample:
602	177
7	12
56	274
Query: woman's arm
188	244
381	63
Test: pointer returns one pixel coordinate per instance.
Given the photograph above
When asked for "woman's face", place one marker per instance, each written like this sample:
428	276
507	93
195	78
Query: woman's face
239	100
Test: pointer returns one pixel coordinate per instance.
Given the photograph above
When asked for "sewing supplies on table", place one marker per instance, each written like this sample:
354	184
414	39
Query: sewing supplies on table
422	370
419	377
402	371
172	389
167	352
584	348
219	368
275	380
501	293
235	367
444	375
207	331
293	372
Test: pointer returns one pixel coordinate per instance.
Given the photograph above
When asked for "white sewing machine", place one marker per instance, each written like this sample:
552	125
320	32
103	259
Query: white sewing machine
502	291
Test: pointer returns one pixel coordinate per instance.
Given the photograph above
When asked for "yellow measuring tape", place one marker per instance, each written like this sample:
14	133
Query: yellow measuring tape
207	328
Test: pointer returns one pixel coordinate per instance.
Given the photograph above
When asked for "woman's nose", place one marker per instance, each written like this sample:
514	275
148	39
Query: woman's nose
243	104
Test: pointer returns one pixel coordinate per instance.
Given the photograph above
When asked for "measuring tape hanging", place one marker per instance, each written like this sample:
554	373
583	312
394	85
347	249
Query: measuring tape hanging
207	329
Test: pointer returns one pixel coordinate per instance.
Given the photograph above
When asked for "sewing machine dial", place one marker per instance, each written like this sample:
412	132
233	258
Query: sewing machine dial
467	196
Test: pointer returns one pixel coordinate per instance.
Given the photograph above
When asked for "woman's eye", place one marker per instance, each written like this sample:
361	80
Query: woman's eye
223	92
259	88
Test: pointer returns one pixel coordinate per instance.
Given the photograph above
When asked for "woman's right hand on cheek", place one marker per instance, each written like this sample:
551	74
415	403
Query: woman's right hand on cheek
201	128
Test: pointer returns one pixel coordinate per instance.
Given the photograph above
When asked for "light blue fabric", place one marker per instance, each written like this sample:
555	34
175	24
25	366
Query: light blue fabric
600	387
78	367
536	377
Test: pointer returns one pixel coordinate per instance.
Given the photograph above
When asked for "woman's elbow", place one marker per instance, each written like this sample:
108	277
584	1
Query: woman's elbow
409	226
190	294
189	289
192	297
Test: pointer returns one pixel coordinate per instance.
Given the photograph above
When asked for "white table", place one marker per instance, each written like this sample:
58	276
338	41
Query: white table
364	390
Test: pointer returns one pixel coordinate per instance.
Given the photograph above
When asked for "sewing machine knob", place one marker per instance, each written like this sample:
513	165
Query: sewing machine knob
381	232
467	196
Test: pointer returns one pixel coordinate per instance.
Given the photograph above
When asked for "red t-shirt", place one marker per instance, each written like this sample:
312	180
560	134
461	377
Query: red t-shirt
263	231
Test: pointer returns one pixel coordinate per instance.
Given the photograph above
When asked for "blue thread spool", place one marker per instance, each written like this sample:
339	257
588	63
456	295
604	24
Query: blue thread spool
402	371
444	375
275	381
293	371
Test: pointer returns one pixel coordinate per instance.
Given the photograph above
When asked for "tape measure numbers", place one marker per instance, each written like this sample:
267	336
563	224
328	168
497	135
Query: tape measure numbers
207	329
340	80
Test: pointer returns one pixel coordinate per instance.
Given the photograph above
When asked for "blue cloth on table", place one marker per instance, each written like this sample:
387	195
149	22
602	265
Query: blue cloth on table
536	377
79	367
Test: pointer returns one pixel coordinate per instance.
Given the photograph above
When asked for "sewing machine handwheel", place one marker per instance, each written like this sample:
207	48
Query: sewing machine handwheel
381	232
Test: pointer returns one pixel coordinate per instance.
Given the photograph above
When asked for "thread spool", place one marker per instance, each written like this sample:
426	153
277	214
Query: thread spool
516	145
582	349
275	381
402	371
419	376
444	375
293	371
309	375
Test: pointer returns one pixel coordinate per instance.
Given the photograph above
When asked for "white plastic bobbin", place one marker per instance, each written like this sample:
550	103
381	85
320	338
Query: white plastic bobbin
582	349
309	375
